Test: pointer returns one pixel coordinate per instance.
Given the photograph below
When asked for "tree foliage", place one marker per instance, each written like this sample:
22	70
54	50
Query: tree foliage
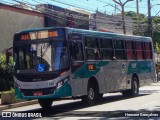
143	27
6	78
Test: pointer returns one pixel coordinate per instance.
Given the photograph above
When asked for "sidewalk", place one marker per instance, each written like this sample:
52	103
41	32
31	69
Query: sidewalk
9	106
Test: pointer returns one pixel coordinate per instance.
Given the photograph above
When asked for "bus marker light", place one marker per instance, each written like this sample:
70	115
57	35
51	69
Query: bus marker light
63	73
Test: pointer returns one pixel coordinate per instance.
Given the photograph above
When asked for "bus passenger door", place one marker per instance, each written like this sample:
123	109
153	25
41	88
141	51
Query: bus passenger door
117	75
113	76
119	65
77	67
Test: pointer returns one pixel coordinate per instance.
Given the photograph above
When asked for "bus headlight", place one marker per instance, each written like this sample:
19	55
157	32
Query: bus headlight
17	86
66	80
60	83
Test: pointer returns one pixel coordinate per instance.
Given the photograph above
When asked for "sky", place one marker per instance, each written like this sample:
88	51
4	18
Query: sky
100	5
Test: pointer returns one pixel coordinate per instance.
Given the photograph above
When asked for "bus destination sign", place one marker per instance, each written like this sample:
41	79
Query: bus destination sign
39	35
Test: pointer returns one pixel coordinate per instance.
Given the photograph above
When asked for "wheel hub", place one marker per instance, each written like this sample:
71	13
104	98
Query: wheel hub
135	87
91	94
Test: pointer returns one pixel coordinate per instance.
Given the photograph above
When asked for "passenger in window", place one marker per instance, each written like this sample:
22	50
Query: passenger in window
97	53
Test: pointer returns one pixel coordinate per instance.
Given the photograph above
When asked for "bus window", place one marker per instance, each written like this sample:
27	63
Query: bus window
91	42
119	49
77	51
59	56
139	50
148	50
143	50
106	48
64	58
92	48
106	43
130	51
92	54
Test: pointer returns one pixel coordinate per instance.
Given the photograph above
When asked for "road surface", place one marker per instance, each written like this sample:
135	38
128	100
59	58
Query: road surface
113	105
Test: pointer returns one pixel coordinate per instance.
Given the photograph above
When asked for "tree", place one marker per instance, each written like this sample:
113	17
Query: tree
6	77
143	27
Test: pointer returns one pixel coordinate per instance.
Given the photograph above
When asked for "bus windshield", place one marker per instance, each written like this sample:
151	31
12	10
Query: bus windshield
31	57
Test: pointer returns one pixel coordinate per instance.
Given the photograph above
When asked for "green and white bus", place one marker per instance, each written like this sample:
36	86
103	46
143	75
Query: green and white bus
53	63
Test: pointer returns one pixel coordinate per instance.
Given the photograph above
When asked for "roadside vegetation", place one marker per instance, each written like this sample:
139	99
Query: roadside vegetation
143	27
6	77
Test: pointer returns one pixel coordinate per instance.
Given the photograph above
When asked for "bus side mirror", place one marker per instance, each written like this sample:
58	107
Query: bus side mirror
114	58
7	57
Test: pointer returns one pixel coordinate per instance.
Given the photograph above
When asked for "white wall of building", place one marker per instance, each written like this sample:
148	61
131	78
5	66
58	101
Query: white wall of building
13	20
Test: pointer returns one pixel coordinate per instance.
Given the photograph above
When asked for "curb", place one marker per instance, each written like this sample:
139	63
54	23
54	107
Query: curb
20	104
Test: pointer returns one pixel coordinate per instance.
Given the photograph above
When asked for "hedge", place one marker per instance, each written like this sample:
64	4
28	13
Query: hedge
6	76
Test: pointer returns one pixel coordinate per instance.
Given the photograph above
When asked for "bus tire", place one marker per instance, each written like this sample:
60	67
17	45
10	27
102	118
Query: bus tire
92	95
45	103
134	89
100	97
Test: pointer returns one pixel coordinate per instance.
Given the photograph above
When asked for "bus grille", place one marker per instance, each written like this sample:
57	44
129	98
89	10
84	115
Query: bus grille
36	77
31	92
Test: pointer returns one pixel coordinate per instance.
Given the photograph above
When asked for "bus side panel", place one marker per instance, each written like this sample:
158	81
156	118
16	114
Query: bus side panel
79	82
151	76
143	69
82	75
101	75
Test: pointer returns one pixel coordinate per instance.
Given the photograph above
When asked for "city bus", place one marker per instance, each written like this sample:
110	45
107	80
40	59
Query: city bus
58	62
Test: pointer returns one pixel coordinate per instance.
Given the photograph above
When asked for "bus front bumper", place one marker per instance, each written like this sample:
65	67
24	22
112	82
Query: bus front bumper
63	91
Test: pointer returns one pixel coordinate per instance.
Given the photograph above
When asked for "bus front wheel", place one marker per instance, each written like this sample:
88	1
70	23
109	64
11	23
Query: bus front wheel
92	95
45	103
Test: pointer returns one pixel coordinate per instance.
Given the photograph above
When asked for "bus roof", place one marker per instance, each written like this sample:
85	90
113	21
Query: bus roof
106	34
88	32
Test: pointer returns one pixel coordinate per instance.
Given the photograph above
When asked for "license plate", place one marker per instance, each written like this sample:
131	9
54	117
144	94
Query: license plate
37	93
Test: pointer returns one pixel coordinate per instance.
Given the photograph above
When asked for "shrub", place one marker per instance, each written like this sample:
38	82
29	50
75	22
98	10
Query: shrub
6	76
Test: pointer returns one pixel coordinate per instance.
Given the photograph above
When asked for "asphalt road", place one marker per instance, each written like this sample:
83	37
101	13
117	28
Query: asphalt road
113	106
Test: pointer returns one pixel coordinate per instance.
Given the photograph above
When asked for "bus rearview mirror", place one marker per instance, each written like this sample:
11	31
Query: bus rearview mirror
114	58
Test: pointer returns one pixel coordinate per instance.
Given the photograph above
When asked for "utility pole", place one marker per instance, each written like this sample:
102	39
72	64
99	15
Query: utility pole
122	11
123	22
115	9
137	5
149	20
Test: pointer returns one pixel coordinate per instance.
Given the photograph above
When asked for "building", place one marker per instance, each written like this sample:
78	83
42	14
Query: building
14	19
17	17
61	17
78	18
109	23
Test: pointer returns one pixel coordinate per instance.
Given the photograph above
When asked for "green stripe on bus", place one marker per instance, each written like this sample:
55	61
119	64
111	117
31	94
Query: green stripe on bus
139	67
83	72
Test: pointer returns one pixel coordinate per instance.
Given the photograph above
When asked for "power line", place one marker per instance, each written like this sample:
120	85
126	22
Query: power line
72	5
50	12
59	12
29	4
